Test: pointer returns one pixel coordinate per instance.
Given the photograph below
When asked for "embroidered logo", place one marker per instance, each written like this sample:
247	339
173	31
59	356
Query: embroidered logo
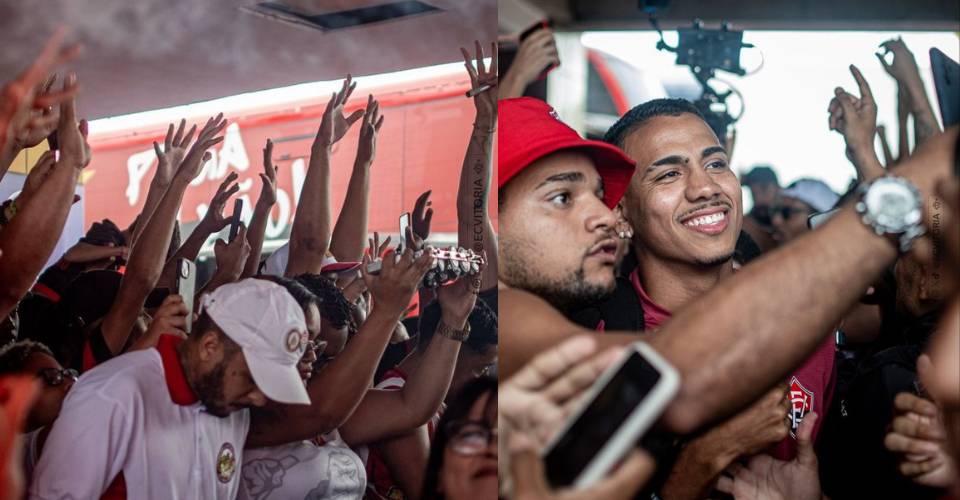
801	403
296	340
226	463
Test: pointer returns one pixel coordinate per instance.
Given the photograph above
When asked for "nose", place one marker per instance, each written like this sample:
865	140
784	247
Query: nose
701	185
600	217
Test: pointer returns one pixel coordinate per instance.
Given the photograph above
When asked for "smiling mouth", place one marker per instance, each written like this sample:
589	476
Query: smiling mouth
713	222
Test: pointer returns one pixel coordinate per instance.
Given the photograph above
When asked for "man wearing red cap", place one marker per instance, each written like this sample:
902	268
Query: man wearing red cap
556	191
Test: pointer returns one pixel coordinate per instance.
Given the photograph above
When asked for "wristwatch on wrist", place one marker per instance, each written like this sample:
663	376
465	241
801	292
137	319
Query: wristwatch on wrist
891	206
451	333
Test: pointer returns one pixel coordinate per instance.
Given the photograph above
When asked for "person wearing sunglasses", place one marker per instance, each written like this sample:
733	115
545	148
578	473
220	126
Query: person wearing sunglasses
796	203
463	456
29	357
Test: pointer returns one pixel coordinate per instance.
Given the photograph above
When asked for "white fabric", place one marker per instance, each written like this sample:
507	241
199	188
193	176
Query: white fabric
268	324
276	263
120	418
303	470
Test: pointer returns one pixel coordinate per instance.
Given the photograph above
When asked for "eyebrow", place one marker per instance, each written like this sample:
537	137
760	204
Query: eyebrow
563	177
680	160
712	150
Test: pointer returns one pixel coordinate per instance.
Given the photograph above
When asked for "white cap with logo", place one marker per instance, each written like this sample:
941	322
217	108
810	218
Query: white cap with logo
268	325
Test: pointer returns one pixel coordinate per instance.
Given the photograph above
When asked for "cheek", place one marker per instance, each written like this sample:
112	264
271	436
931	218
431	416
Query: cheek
456	471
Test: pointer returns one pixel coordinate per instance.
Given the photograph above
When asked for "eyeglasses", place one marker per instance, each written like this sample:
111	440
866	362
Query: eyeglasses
469	437
54	377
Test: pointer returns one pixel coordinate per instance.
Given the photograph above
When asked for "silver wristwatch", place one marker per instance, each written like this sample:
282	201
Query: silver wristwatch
892	206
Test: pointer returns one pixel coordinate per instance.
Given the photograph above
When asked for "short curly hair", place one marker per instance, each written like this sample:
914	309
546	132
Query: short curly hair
334	306
13	357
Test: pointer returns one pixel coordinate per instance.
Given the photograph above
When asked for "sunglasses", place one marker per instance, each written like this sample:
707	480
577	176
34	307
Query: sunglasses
55	377
470	438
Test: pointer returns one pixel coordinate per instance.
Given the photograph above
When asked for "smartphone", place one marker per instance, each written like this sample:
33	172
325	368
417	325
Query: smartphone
186	287
544	24
816	220
620	407
404	224
235	224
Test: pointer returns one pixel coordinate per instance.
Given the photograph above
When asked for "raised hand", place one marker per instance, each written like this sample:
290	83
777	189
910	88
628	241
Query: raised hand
71	135
458	298
758	427
856	119
904	66
174	149
377	248
486	101
421	216
397	281
369	129
19	98
536	53
170	318
214	221
766	478
231	257
334	124
42	121
39	173
189	168
268	179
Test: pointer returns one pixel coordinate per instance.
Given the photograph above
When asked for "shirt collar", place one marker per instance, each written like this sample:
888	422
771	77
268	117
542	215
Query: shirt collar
180	391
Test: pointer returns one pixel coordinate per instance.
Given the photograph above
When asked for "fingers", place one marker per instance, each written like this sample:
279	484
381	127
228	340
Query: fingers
805	453
356	115
177	137
581	376
50	57
474	78
865	93
68	108
188	137
907	402
168	140
550	364
481	68
900	443
916	429
383	246
268	160
494	59
241	238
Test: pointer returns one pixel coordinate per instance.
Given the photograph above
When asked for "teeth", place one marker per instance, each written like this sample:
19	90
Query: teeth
706	219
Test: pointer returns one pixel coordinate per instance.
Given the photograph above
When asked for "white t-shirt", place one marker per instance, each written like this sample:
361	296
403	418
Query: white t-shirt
135	415
304	469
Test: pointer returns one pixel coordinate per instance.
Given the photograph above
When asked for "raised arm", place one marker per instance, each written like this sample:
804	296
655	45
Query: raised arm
28	240
474	228
350	234
424	391
174	148
905	71
261	211
310	234
336	390
856	120
148	254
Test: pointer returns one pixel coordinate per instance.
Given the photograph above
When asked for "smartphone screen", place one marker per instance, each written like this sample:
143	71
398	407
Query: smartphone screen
404	224
235	224
186	287
601	420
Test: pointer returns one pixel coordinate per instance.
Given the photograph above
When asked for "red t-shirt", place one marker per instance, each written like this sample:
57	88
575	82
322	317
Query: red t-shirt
811	385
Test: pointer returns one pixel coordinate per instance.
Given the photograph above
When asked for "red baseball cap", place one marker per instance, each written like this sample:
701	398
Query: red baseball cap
530	129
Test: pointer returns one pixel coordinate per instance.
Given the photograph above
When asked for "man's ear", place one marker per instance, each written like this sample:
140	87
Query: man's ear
210	349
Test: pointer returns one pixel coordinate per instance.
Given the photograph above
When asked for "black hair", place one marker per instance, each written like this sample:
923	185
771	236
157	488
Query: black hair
459	409
643	112
483	327
206	324
13	357
334	306
300	293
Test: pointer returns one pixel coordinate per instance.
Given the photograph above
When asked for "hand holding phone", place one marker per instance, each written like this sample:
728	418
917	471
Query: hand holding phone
186	287
235	222
404	224
538	50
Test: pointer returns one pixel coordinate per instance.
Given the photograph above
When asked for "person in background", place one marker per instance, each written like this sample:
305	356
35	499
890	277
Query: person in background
764	187
798	201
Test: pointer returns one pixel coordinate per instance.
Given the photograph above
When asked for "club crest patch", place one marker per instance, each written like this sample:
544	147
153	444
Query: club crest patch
296	340
226	463
801	403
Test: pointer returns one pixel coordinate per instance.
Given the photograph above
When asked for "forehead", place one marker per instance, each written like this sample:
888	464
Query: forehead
663	135
312	316
542	169
39	361
484	408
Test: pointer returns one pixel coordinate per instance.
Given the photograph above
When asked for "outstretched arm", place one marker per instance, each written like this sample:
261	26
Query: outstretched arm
310	234
261	211
474	228
350	234
904	69
148	254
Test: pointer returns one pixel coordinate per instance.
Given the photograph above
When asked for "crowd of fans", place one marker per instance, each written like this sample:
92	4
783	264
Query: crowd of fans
818	342
298	375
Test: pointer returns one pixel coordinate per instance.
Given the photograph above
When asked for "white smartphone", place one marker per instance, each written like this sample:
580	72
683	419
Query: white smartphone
404	224
620	407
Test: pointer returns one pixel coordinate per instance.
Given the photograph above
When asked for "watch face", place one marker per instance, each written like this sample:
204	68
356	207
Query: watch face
892	204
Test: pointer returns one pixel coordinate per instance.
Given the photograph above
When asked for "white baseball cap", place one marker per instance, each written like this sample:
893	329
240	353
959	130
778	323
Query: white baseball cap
276	263
268	325
813	192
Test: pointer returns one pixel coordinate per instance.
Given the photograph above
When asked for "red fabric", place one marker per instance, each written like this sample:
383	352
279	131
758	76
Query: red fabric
89	361
812	384
180	391
50	293
117	489
530	129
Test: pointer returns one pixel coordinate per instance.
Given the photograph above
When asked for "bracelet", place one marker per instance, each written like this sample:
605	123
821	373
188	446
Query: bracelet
451	333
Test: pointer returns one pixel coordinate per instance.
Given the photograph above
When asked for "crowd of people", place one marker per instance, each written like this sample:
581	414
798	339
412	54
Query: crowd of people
294	375
817	336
